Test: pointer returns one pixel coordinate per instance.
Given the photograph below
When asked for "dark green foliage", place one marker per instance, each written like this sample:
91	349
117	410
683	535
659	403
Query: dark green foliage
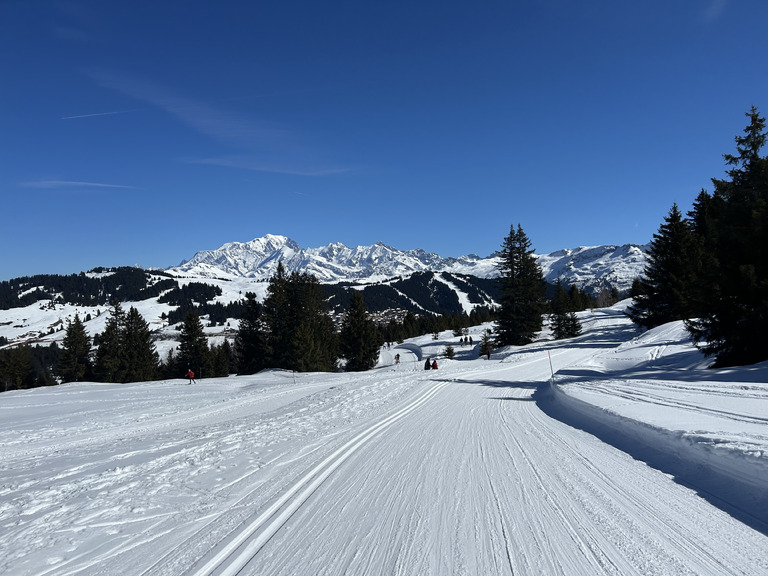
111	355
420	293
125	351
522	289
664	292
732	229
75	363
141	359
359	340
430	294
563	320
300	333
579	299
191	292
486	342
217	312
193	347
27	367
221	356
251	349
278	317
124	284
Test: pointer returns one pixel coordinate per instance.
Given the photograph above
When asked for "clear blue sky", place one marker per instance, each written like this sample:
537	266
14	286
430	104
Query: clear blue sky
141	132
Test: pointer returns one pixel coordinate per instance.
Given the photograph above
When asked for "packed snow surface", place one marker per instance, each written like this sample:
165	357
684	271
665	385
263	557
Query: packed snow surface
638	460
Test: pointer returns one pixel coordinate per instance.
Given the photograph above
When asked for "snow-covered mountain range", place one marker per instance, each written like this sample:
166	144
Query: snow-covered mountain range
590	268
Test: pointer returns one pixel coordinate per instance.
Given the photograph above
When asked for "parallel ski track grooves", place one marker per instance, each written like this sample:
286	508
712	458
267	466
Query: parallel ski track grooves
244	545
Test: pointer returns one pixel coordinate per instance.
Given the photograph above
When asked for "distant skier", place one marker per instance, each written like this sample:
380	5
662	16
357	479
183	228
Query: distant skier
190	376
434	364
427	365
397	358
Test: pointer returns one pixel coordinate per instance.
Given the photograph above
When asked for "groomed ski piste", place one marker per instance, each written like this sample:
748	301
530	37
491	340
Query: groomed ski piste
634	459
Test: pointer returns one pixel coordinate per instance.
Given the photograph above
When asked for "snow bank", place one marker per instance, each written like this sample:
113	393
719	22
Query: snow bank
652	398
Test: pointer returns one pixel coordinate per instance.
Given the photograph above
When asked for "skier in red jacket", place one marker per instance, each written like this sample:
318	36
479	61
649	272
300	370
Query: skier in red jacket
191	376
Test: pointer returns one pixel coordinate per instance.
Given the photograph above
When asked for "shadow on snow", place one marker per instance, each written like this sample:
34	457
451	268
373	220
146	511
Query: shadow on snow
740	500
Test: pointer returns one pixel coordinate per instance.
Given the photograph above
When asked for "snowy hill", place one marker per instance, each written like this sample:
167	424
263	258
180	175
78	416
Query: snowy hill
658	469
590	268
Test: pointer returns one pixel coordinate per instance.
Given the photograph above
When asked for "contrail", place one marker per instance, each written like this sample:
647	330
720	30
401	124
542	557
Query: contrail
100	114
70	183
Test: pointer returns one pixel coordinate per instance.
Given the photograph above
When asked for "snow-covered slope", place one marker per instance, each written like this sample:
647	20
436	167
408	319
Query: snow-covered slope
591	268
597	267
398	470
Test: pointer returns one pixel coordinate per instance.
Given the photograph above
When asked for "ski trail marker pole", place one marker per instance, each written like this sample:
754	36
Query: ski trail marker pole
550	367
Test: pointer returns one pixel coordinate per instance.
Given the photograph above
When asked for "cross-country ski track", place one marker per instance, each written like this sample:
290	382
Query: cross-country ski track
396	471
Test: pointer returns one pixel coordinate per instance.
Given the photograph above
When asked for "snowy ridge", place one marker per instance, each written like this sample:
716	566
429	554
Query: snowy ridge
597	267
590	268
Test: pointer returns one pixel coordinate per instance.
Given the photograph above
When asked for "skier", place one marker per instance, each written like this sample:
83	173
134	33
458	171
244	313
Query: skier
434	364
191	376
427	365
397	358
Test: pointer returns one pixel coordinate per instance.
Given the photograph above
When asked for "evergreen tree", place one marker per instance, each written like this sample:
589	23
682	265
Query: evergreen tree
523	291
359	340
563	320
220	359
251	350
111	361
735	220
141	358
486	342
276	312
702	220
193	346
665	291
75	361
314	342
300	333
16	371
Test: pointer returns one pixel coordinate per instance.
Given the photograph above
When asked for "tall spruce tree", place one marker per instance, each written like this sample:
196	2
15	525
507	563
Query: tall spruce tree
300	332
75	361
523	291
359	339
666	290
276	313
732	327
193	346
111	362
314	341
251	350
563	320
141	358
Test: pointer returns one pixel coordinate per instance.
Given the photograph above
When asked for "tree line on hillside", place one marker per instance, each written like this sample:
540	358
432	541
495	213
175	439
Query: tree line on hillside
97	288
292	329
710	268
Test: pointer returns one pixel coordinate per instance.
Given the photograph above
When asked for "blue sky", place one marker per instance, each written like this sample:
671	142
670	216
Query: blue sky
142	132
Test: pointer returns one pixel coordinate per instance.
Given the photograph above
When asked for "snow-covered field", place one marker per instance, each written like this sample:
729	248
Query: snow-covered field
637	460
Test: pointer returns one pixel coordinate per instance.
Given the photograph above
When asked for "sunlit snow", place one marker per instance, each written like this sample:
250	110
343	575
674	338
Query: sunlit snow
637	460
